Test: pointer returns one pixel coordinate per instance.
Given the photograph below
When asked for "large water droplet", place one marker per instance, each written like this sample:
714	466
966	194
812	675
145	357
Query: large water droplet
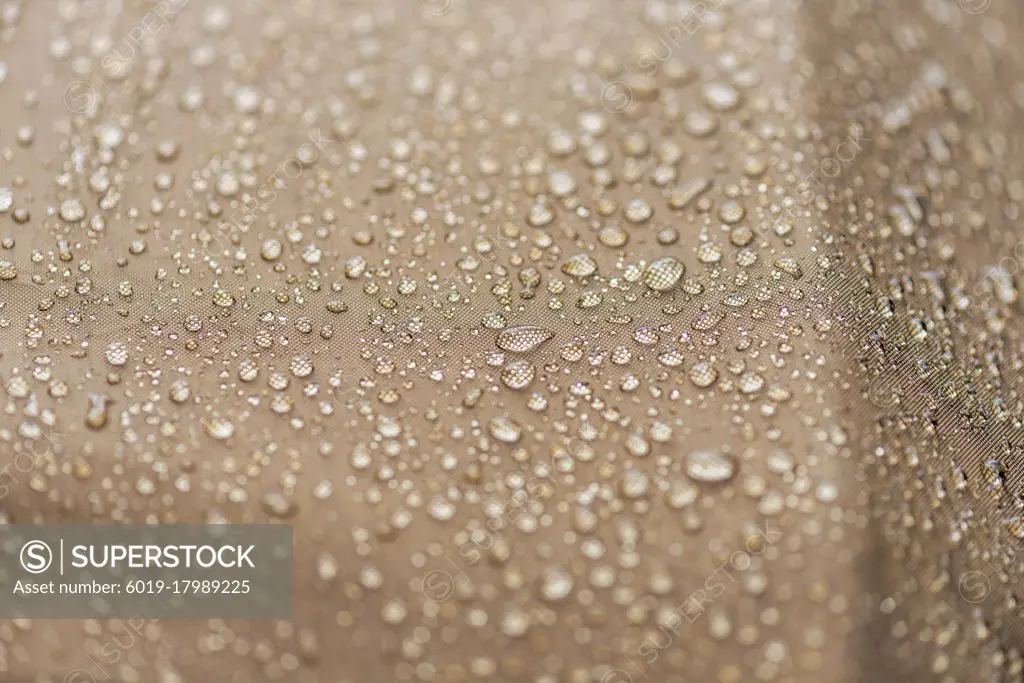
504	429
580	265
710	466
664	274
518	374
522	338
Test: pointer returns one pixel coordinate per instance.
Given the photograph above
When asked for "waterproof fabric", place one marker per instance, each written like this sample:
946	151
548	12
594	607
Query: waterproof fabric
578	341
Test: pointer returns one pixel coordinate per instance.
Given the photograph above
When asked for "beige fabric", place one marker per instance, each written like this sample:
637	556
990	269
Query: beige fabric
800	458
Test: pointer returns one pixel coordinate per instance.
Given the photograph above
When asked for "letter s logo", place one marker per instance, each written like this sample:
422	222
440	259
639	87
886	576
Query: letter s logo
36	557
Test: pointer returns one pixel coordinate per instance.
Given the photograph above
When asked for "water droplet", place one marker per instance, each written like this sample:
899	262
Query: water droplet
680	494
97	414
681	196
664	274
557	585
634	484
518	374
504	429
522	338
441	509
703	374
117	354
515	624
180	391
721	97
710	466
72	211
220	429
580	265
638	211
279	505
394	612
